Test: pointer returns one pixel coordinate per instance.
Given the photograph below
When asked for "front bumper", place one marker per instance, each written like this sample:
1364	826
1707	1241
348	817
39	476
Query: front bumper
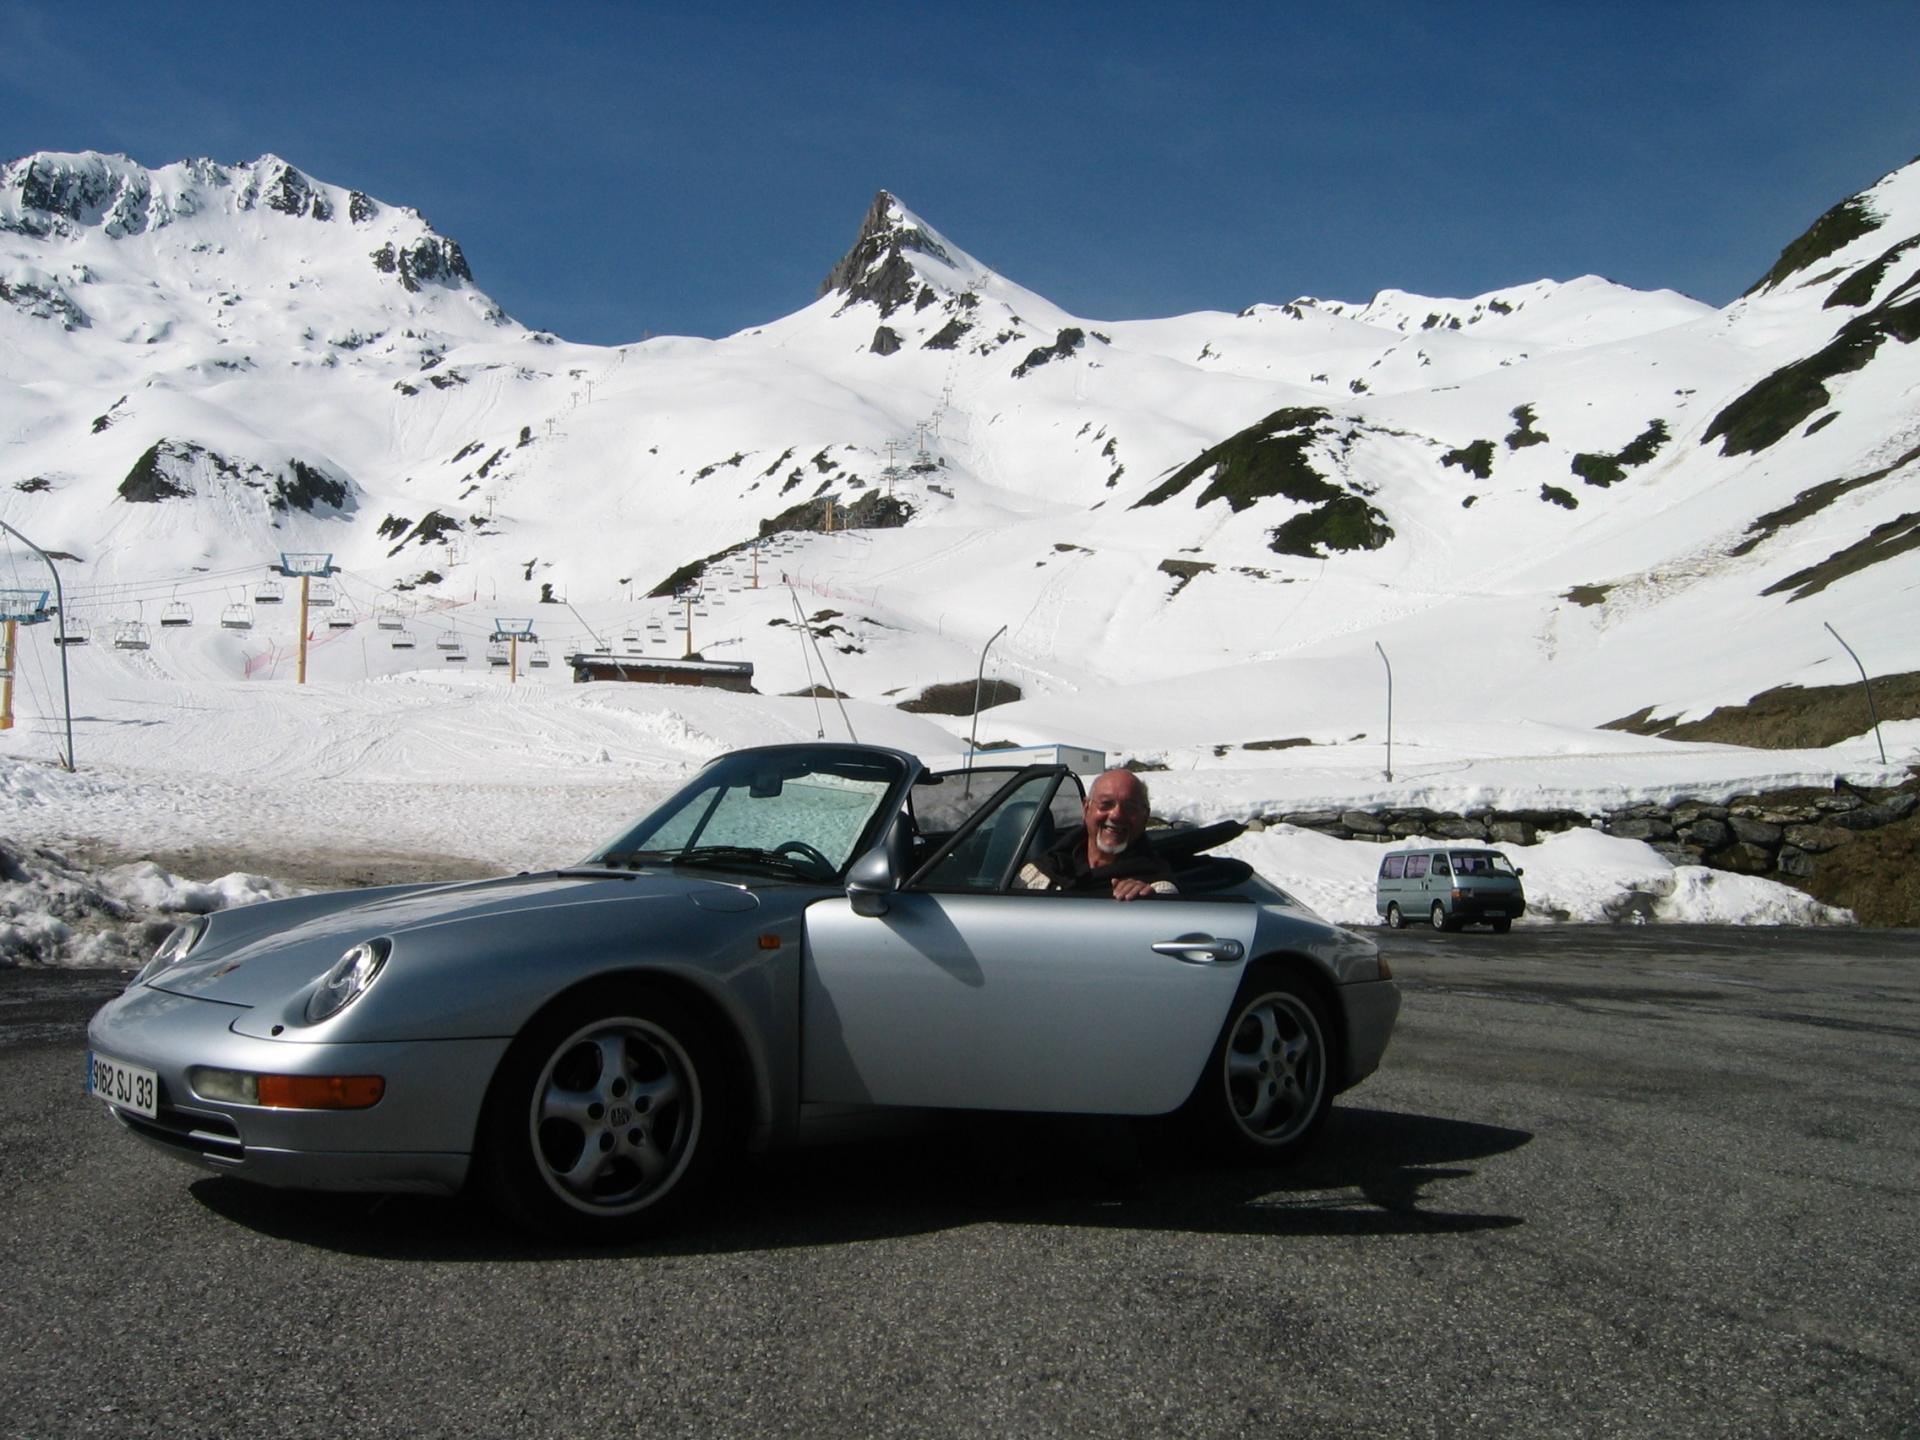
419	1137
1370	1006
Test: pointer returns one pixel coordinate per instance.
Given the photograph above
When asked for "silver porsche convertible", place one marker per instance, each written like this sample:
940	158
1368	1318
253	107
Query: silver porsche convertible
804	940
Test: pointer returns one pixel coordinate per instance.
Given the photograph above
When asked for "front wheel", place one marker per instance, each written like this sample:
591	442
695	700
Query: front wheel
1438	916
605	1117
1268	1083
1395	920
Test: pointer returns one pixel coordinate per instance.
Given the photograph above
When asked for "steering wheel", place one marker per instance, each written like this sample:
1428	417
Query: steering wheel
807	853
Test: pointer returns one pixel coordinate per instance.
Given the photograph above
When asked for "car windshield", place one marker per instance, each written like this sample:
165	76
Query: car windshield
1480	862
803	813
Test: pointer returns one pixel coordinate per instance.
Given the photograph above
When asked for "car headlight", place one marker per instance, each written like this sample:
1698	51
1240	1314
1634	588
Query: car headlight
348	980
175	948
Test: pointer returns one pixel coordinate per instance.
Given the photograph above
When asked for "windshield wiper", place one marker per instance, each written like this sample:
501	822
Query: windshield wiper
721	857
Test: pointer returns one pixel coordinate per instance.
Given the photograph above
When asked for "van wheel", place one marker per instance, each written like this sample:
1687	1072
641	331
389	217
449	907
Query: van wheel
1502	925
1439	917
1395	920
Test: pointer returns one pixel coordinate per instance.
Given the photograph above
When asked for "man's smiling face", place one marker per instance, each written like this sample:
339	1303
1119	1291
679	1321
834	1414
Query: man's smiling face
1116	811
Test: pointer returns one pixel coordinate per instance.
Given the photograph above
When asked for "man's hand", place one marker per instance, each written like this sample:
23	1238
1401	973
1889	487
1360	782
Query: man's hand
1131	889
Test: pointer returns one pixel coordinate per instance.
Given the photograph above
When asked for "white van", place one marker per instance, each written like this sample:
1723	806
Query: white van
1450	887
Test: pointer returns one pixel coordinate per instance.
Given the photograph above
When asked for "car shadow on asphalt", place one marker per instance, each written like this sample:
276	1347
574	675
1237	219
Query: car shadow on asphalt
1373	1172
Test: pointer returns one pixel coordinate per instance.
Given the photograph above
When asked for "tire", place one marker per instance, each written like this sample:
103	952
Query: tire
1268	1084
605	1118
1502	925
1395	920
1438	917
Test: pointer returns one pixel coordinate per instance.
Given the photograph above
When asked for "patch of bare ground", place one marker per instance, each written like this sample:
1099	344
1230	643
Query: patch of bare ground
1874	876
308	867
1789	717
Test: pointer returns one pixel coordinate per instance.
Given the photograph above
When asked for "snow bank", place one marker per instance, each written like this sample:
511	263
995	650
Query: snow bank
1576	875
53	912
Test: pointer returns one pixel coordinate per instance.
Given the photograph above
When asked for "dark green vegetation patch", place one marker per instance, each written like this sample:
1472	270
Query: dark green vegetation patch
1777	404
1842	225
1558	496
1347	522
1857	289
1604	470
1268	458
1523	433
1883	542
1588	594
1476	459
1812	501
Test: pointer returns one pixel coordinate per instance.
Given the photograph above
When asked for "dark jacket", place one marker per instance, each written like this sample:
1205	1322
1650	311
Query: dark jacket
1065	865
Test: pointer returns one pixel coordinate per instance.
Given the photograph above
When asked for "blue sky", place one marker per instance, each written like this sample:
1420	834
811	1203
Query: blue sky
618	169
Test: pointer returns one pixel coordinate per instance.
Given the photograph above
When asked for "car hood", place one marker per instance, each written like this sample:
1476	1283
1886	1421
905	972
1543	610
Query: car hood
265	965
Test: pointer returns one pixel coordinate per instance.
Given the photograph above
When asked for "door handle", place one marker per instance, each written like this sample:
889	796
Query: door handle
1201	949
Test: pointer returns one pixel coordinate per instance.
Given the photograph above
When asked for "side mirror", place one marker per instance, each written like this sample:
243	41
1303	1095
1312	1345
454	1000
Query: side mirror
1517	871
870	882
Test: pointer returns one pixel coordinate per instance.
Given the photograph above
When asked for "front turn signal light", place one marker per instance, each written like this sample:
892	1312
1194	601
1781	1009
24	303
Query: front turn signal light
321	1092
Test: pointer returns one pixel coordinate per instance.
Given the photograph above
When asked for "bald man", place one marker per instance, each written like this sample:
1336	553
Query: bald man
1112	842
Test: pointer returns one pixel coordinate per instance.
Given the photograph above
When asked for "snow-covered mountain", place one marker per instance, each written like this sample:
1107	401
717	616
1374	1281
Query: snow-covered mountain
1555	505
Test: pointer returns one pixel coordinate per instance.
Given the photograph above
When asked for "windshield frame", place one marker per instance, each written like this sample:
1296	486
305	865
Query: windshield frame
736	776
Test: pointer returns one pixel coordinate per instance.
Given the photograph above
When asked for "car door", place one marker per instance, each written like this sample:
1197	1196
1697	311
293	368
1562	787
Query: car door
968	993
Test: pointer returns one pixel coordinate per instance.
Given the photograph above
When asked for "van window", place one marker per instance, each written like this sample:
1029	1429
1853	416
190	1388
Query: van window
1416	867
1393	867
1440	865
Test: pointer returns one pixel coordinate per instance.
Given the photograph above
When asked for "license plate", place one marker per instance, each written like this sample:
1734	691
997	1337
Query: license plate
131	1087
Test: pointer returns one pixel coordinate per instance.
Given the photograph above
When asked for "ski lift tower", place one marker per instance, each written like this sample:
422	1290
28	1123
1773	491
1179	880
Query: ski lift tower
890	472
511	633
688	594
17	608
306	567
29	607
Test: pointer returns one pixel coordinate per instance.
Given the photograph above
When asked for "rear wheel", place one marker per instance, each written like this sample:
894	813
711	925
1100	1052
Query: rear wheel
1438	917
605	1117
1502	924
1395	920
1269	1082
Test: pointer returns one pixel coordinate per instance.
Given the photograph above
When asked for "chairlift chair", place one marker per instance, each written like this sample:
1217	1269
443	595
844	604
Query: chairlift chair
455	657
176	616
387	618
267	593
78	632
236	617
538	660
497	656
132	635
320	595
402	640
447	641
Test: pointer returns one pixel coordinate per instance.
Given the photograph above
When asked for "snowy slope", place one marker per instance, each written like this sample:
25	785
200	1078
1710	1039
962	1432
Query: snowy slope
1551	506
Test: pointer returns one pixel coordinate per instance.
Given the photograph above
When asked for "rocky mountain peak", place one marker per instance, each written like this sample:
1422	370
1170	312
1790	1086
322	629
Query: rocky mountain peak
877	268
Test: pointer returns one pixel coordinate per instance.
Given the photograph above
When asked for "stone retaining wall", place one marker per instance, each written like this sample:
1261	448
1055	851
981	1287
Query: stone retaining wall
1782	834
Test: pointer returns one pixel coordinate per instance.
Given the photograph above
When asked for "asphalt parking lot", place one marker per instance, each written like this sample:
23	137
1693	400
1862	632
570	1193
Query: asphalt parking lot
1634	1181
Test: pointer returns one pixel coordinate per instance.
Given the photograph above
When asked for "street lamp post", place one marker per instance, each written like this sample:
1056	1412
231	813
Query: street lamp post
1867	685
1389	664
